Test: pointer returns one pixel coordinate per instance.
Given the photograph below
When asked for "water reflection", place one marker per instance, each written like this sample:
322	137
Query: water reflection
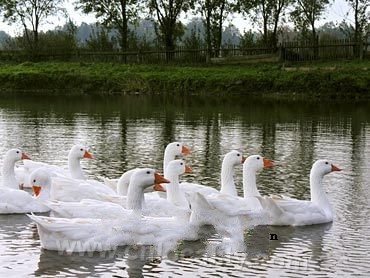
127	132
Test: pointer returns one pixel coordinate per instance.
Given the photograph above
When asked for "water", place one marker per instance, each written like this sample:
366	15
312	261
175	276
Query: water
126	132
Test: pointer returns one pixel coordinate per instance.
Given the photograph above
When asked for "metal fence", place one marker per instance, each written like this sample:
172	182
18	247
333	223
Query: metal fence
287	51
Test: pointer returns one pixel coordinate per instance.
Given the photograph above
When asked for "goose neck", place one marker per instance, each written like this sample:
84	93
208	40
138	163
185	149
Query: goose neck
135	197
44	194
74	167
8	173
168	157
227	180
173	188
249	183
318	195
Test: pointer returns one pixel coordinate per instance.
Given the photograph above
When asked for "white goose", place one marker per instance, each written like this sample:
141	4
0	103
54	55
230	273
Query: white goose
75	171
175	204
172	150
19	201
229	162
230	214
289	211
11	157
85	234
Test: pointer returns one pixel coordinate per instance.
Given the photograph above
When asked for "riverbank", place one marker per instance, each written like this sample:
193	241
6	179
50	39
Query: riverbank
339	80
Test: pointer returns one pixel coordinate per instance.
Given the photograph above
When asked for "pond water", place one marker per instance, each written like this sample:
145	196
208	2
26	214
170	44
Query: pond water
130	131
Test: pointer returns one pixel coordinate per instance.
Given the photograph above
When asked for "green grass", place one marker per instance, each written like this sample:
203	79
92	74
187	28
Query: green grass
324	79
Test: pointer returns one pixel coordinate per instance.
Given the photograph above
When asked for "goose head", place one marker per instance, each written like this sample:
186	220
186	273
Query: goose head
79	152
146	177
11	157
140	180
256	163
76	153
40	181
230	161
251	166
319	169
172	150
14	155
177	167
234	158
176	148
323	167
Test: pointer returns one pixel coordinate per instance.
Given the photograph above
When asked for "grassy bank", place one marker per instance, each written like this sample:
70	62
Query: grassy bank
343	80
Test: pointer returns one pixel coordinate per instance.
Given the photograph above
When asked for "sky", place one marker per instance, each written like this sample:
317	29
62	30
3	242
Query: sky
336	12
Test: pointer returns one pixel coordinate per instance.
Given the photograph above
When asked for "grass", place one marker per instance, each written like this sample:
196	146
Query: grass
350	80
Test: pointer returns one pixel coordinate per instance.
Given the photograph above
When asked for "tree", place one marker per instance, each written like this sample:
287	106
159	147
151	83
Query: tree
30	14
115	14
167	13
361	18
214	13
99	40
305	15
270	11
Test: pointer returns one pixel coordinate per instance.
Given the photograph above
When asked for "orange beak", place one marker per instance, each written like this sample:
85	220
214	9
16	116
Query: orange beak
87	155
185	150
243	158
36	190
159	187
160	179
335	168
25	156
187	169
267	163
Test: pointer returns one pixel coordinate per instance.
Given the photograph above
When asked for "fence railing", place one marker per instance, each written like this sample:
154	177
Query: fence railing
286	51
324	50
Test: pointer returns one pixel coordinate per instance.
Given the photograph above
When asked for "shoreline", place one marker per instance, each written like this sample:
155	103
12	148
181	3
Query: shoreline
342	80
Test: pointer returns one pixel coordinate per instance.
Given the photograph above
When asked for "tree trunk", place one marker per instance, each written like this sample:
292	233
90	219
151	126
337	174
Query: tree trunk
124	30
314	41
208	33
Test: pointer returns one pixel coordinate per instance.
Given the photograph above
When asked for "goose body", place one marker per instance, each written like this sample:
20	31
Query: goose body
87	234
19	201
113	206
289	211
228	213
76	153
229	162
74	190
171	151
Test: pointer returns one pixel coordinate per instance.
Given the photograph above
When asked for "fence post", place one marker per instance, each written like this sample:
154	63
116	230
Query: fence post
281	52
361	50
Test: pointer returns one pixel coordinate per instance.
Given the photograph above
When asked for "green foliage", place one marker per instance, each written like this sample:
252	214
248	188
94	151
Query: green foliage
194	40
168	27
340	79
30	14
51	42
115	14
99	40
306	14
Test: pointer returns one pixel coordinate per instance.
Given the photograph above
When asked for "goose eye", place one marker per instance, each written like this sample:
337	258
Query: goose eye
181	163
17	151
34	181
258	157
238	154
81	150
326	162
178	145
148	172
